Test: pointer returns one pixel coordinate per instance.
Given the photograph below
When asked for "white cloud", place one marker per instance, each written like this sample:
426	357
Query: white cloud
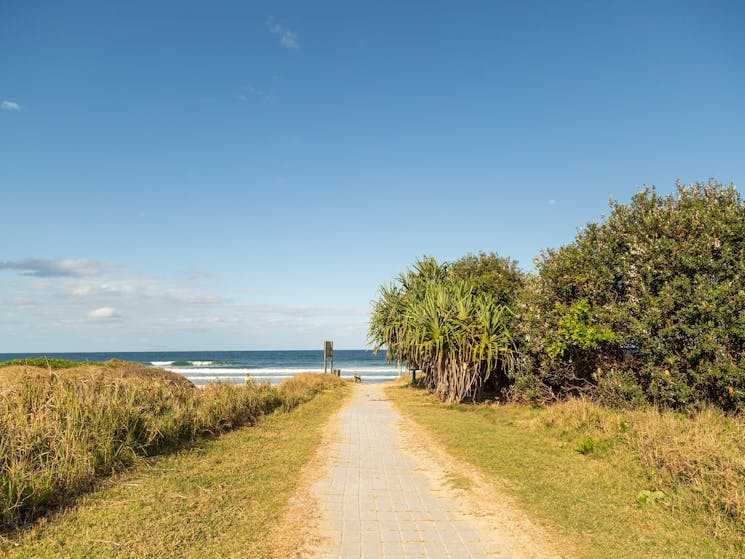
117	287
287	38
63	301
10	106
202	300
44	268
103	312
552	202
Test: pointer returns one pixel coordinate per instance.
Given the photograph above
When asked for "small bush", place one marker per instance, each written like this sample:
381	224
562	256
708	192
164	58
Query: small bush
618	388
586	446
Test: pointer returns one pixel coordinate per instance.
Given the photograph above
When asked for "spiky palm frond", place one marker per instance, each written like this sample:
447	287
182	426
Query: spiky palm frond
455	335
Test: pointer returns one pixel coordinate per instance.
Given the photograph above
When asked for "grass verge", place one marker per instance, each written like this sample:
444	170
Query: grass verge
219	498
604	481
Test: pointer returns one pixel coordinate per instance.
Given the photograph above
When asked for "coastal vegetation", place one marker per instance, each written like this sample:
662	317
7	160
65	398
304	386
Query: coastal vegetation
628	344
646	306
64	429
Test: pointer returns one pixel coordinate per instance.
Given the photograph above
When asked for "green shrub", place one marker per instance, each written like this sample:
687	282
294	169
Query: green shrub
586	446
576	329
617	388
655	292
490	274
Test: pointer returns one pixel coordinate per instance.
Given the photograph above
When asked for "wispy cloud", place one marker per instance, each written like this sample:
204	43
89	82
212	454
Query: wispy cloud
20	302
249	92
63	301
10	106
104	313
202	300
552	202
287	38
44	268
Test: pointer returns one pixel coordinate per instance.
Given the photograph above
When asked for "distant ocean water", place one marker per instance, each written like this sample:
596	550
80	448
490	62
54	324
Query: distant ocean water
202	367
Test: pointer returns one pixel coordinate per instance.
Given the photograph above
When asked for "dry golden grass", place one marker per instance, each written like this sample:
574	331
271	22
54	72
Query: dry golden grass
114	369
305	386
63	430
703	454
221	497
13	373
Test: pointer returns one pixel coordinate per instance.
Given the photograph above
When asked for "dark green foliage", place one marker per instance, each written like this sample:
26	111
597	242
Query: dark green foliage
650	301
489	273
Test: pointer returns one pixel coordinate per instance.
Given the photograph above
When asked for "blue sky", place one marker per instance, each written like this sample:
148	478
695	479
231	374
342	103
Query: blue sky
244	175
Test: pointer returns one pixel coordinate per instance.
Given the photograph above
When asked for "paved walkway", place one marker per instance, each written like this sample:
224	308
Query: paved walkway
376	500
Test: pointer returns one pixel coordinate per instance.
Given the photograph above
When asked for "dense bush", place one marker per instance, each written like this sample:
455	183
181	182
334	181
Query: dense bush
649	303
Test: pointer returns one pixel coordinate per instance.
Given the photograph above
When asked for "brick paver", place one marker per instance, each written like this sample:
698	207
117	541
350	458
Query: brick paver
376	501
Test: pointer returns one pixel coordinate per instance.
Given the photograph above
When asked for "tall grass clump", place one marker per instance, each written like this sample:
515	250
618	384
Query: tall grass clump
60	432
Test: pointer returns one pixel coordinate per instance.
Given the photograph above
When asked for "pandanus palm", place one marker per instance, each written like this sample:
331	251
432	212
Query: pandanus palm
443	326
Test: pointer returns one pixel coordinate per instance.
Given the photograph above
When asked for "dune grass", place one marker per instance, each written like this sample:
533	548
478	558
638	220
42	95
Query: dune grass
221	497
614	484
17	369
62	431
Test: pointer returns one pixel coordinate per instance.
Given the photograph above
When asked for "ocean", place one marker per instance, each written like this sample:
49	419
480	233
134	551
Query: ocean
202	367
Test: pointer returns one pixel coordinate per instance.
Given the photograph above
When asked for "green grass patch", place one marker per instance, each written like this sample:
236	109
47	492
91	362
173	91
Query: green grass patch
597	478
219	498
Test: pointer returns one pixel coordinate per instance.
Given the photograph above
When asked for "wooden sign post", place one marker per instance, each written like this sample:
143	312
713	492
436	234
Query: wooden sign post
328	355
